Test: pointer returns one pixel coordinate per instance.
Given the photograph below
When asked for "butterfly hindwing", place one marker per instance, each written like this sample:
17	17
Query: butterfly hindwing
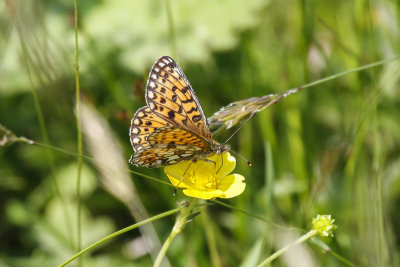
162	155
170	96
176	136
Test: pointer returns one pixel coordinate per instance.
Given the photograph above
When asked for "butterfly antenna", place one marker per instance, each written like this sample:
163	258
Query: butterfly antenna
243	158
237	130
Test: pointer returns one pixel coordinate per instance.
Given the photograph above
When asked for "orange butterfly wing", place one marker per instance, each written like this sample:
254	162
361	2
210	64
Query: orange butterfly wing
170	96
144	123
169	145
162	155
177	136
172	127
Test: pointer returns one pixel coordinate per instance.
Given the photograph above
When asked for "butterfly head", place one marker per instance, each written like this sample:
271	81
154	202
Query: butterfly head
222	148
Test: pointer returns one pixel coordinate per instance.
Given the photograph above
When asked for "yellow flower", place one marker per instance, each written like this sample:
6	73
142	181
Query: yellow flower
207	180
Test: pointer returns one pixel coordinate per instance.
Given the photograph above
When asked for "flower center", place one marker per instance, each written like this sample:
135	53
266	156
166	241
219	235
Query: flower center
202	180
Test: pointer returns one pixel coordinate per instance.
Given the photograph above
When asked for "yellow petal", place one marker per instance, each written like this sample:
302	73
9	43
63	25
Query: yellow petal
175	172
229	163
231	185
228	187
191	192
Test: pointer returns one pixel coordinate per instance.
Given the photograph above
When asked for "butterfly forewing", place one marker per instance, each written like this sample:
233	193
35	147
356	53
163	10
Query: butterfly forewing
144	123
170	96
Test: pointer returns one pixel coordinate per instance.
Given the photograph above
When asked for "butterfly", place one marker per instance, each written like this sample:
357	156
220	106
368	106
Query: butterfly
172	128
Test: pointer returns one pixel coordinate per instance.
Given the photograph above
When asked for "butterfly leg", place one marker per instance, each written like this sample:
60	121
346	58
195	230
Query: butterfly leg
215	169
222	163
176	187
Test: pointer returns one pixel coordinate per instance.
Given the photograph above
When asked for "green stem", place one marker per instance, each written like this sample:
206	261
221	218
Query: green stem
378	156
341	258
184	211
94	160
254	216
210	238
171	28
120	232
300	240
78	126
43	129
368	66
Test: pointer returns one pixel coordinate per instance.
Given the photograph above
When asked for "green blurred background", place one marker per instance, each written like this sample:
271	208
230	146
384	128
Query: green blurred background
329	149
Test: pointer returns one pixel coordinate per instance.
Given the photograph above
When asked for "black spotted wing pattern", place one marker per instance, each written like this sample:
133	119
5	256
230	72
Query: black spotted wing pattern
144	123
171	97
172	128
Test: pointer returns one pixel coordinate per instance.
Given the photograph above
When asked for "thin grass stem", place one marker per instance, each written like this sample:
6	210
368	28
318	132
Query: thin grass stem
38	109
210	237
278	253
368	66
171	29
255	216
79	133
94	160
120	232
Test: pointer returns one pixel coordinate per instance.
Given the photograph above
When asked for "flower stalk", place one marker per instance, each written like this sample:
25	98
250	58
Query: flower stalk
322	225
185	210
278	253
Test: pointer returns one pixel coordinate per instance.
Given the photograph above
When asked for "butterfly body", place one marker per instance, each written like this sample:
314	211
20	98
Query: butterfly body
172	128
